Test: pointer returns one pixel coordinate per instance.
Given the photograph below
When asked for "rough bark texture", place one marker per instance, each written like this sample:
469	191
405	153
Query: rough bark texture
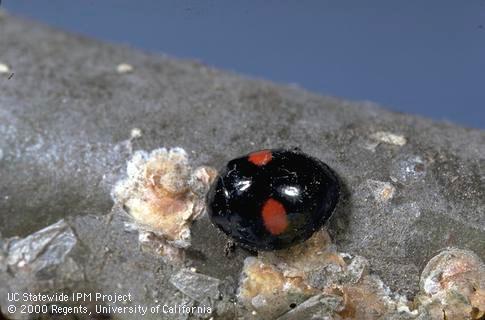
412	186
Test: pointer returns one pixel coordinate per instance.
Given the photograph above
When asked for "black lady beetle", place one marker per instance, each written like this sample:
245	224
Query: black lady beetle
272	199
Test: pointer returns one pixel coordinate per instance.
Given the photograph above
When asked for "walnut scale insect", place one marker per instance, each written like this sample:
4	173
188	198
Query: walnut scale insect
272	199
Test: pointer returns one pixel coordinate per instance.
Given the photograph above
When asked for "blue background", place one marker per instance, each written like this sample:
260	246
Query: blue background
421	57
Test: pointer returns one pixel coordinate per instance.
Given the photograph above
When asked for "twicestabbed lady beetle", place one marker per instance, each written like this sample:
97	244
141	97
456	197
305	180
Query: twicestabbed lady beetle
272	199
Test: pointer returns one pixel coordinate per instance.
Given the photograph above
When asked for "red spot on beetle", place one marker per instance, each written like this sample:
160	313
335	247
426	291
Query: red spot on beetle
274	217
260	158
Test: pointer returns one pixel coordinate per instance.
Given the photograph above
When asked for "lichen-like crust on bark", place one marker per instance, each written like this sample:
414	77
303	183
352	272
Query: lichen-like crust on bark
163	194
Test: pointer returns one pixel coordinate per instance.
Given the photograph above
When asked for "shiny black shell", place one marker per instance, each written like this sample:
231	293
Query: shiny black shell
272	199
